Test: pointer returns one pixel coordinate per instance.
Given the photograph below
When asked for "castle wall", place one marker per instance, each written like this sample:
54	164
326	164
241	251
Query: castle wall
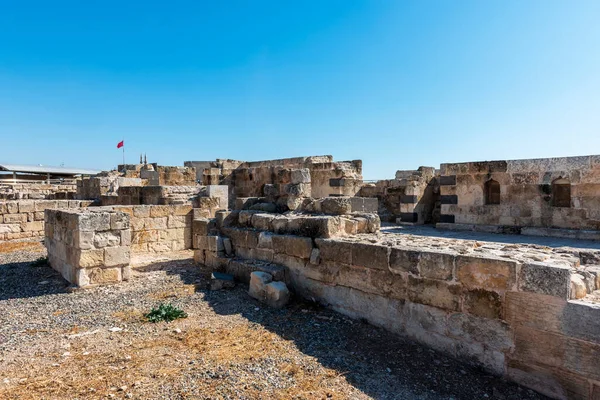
527	193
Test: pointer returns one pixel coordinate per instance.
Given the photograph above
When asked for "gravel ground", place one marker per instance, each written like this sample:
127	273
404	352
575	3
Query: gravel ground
94	343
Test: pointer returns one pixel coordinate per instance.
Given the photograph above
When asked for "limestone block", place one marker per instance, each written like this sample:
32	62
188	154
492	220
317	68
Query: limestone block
125	237
141	211
578	287
280	224
160	247
119	255
155	222
436	265
548	381
295	246
334	250
262	221
199	256
13	228
42	205
258	283
371	255
493	333
267	255
138	224
265	240
161	211
106	238
434	293
15	218
26	206
336	205
377	281
12	207
350	226
404	260
87	258
144	236
245	217
119	220
126	272
204	226
289	261
210	243
277	294
94	221
38	216
486	273
104	275
177	221
35	226
553	280
483	303
300	175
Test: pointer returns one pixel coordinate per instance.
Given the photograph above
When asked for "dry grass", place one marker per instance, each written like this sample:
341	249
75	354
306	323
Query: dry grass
144	364
10	247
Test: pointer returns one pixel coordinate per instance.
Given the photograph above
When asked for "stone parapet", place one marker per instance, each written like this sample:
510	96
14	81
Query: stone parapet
89	246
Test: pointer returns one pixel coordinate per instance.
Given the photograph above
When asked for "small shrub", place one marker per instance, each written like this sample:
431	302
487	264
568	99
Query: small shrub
40	262
165	312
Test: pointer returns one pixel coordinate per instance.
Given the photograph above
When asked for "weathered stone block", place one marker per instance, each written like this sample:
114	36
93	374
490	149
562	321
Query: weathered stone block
204	226
336	205
495	334
335	250
483	303
486	273
296	246
434	293
404	260
103	275
436	265
553	280
107	238
114	256
87	258
262	221
371	255
94	221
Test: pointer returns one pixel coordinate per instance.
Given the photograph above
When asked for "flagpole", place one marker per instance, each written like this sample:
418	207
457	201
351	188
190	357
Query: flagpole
124	166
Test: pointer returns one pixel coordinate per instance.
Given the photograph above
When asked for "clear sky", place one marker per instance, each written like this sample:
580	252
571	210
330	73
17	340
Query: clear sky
397	84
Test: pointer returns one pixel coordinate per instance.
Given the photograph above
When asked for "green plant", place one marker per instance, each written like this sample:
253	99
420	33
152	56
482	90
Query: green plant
40	262
165	312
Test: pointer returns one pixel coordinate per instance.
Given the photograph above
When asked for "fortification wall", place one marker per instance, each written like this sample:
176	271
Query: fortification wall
22	219
549	193
511	309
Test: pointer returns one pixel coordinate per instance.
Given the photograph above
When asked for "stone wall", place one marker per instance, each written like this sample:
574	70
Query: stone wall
529	193
88	246
22	219
324	177
159	229
37	191
412	197
507	308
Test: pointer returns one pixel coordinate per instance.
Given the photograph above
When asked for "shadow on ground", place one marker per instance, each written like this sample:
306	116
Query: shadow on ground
379	363
23	280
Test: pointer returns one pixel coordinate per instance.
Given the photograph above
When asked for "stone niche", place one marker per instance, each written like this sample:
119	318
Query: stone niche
89	246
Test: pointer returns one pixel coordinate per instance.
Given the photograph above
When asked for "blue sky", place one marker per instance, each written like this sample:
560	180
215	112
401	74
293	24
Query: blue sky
397	84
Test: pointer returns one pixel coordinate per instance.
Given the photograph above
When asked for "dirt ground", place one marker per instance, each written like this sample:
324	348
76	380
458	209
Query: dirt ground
56	343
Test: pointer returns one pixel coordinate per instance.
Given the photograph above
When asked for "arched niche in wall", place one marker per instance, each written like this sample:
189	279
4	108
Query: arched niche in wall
492	192
561	193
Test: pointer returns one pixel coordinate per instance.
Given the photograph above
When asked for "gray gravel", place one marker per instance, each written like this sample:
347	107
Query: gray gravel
37	309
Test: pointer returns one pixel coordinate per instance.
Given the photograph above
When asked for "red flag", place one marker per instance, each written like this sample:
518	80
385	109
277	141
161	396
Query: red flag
121	144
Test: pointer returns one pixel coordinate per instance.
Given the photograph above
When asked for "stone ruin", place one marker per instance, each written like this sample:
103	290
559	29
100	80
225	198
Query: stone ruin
310	227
